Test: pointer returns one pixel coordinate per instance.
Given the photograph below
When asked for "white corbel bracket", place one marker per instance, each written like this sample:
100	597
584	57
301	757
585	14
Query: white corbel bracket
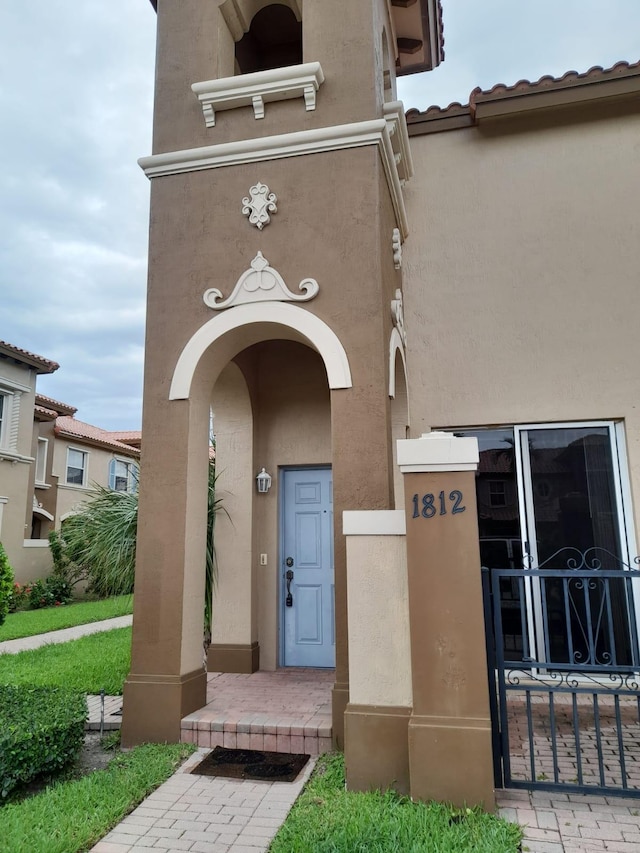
259	88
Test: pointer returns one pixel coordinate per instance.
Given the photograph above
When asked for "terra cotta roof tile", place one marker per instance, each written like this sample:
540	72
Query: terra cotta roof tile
43	365
72	428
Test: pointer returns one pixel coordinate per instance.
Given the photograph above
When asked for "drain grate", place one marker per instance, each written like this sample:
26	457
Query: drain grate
251	764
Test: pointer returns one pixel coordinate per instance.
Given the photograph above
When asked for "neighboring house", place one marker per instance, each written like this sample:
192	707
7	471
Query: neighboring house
50	462
85	456
20	508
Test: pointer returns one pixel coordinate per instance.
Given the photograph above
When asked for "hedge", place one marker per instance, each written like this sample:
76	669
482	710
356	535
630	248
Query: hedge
41	731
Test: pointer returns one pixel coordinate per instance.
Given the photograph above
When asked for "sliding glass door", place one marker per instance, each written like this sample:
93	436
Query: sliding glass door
553	496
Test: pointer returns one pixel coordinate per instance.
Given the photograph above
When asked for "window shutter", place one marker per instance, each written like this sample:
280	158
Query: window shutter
112	474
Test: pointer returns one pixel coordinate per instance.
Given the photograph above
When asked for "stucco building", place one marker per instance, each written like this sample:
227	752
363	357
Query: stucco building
328	276
50	462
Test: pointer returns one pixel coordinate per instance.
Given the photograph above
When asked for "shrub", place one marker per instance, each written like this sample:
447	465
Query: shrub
50	592
6	584
41	732
64	564
19	598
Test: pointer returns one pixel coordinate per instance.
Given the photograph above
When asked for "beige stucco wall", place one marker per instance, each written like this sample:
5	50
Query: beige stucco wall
16	464
378	604
521	275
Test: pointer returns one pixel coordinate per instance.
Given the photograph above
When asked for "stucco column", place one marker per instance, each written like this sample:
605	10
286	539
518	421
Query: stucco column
358	419
450	756
167	680
377	716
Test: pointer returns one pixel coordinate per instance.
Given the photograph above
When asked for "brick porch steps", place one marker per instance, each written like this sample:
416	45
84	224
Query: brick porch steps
284	711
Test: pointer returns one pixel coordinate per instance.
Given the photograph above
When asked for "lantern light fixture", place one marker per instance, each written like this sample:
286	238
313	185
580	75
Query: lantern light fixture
263	481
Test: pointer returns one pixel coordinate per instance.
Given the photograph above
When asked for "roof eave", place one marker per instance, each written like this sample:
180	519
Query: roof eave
124	449
620	83
39	363
419	30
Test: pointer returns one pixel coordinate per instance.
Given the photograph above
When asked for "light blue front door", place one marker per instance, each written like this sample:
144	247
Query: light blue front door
307	586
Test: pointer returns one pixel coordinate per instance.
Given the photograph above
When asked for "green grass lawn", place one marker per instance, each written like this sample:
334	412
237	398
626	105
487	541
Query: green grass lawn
99	661
328	819
71	816
27	623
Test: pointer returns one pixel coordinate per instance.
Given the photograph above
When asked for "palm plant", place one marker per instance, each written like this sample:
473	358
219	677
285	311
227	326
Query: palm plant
98	544
101	538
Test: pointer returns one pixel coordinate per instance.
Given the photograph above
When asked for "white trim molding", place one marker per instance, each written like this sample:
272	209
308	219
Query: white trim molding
323	339
35	543
396	345
260	283
316	141
437	451
377	522
3	501
259	88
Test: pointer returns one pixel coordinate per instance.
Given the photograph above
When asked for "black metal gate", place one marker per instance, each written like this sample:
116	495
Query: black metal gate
564	673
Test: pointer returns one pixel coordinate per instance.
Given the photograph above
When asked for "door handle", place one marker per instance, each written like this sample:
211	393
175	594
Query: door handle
288	602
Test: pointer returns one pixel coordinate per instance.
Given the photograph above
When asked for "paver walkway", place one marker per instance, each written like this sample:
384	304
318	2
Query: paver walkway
63	635
573	823
206	814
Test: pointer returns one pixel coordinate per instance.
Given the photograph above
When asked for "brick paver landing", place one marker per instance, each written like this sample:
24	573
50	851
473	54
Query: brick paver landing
284	711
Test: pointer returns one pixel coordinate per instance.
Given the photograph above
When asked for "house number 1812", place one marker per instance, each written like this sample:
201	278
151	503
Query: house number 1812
426	506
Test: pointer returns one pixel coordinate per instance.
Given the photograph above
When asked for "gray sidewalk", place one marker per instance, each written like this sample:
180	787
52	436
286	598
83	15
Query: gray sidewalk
63	635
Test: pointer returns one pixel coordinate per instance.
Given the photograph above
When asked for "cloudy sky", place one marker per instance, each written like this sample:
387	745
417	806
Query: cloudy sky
75	105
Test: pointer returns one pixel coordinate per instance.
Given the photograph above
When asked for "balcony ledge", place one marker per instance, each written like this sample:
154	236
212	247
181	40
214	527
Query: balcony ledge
259	88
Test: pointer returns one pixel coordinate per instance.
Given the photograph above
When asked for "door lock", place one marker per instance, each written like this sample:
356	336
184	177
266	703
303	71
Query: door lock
289	562
288	602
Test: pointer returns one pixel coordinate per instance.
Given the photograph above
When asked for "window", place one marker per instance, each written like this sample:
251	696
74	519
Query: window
41	460
497	493
123	476
9	415
76	467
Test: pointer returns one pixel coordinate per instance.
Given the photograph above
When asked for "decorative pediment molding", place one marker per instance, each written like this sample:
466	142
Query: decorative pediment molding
260	283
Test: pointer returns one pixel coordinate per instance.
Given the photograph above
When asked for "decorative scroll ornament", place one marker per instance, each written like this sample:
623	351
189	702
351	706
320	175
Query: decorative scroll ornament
259	204
397	248
261	283
397	312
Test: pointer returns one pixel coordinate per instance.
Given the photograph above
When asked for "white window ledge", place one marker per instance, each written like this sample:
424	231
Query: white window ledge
42	485
259	88
36	543
7	455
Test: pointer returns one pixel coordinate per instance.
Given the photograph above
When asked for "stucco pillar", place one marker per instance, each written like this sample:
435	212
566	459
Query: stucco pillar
450	756
167	680
358	419
377	716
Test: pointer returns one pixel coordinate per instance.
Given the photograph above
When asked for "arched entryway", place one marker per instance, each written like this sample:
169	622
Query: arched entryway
271	365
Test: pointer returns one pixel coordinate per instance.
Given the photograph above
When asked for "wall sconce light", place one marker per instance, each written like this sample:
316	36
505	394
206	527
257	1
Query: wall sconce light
264	482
